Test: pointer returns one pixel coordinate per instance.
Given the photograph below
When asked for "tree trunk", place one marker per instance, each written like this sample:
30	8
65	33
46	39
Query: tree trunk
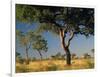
27	58
68	57
66	47
40	55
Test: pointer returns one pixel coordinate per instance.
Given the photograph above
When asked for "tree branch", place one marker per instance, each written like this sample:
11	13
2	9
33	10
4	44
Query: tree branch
62	37
48	20
71	37
28	47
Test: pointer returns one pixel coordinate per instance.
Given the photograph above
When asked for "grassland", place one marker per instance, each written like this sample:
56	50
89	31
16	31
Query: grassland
54	65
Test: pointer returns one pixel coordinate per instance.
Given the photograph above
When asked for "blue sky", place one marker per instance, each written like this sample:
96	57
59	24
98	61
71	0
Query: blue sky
79	44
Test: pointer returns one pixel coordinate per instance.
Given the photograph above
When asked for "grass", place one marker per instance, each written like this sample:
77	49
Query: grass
22	68
54	65
52	68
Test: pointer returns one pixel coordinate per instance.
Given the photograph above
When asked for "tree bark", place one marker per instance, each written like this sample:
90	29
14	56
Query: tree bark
68	57
66	47
27	58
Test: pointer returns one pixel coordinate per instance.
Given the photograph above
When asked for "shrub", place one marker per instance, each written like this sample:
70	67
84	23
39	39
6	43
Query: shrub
21	61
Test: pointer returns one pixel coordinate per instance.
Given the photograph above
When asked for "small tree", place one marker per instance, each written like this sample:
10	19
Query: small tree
86	56
40	44
73	56
57	56
92	50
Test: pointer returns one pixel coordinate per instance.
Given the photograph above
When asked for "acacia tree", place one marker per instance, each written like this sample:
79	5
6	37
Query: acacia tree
31	39
25	40
64	21
40	44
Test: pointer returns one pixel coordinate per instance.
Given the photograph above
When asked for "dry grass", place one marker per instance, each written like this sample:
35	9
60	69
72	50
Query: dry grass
53	65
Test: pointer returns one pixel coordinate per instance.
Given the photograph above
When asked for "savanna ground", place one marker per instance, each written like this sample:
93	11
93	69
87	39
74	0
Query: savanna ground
54	65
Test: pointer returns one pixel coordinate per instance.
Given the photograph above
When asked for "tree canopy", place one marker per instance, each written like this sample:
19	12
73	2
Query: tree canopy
40	44
80	20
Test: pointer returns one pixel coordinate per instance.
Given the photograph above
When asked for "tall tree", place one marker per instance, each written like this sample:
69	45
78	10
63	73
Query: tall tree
63	21
25	40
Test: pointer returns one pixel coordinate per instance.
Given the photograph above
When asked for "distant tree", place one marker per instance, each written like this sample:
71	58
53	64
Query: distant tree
40	44
58	56
31	39
63	56
86	56
92	50
63	21
73	56
25	40
53	57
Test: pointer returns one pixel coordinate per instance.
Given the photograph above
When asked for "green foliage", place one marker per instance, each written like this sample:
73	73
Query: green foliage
32	39
48	28
24	40
26	13
40	44
58	56
80	20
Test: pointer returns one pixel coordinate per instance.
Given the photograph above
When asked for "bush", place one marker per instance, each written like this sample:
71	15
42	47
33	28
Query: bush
21	61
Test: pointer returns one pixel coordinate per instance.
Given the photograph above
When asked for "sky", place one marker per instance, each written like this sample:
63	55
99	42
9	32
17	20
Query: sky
79	44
